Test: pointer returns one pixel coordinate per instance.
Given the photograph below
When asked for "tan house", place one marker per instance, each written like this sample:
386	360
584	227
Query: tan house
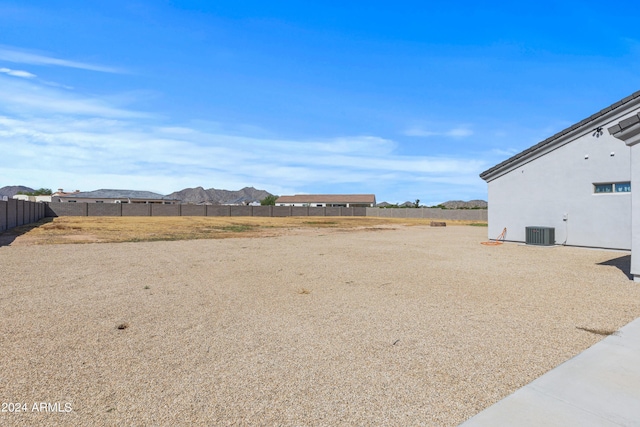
114	196
328	200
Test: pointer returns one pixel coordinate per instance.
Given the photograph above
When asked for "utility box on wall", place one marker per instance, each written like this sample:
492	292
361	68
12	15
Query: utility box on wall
542	236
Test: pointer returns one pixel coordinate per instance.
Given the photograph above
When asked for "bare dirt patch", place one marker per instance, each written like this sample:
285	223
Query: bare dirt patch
63	230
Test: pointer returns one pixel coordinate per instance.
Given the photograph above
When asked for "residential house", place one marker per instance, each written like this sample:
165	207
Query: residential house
114	196
584	182
328	200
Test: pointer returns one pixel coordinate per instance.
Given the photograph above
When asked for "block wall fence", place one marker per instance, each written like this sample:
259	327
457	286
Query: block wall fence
430	213
126	209
14	213
134	209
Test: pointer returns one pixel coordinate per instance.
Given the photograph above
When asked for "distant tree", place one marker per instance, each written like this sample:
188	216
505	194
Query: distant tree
417	204
269	200
38	192
43	192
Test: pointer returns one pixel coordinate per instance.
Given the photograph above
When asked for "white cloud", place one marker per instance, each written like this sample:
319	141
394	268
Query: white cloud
53	138
22	57
504	152
17	73
95	148
457	132
30	98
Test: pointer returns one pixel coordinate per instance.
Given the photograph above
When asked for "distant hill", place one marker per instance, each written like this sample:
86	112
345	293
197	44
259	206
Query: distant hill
199	195
12	190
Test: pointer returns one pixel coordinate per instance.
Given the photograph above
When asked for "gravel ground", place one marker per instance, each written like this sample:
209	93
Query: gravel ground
410	326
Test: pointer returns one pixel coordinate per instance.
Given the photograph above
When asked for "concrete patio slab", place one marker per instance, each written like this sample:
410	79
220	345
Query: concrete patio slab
598	387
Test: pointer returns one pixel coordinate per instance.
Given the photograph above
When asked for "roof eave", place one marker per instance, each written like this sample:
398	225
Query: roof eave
563	137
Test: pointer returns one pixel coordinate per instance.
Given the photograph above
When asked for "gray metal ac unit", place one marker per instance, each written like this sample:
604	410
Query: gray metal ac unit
543	236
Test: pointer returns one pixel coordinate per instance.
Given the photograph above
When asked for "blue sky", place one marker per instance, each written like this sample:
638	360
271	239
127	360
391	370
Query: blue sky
407	100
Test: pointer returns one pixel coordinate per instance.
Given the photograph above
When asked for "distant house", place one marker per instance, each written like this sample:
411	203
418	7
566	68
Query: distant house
41	198
113	196
407	205
328	200
61	192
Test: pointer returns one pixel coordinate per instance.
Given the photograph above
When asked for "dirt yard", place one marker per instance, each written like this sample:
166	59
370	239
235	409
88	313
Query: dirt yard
148	229
323	325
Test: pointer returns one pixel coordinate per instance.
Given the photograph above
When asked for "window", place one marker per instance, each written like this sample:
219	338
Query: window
603	188
623	187
614	187
99	201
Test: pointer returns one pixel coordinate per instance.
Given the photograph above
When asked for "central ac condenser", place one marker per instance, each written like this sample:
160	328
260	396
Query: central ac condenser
543	236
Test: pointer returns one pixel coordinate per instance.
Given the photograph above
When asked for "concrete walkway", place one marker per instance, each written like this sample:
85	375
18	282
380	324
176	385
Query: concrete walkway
598	387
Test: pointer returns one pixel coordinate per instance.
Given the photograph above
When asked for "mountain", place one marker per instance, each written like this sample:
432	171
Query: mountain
12	190
199	195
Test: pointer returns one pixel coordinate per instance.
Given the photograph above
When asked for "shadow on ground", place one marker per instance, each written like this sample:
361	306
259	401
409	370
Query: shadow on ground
623	263
9	236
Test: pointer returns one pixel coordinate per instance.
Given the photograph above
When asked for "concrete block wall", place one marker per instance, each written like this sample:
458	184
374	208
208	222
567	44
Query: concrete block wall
135	209
4	215
194	210
66	209
30	213
316	211
241	210
23	212
218	210
165	210
333	211
262	211
299	211
104	209
281	211
14	213
20	214
430	213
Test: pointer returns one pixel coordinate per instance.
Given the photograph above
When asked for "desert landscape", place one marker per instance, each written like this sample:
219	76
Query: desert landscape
294	321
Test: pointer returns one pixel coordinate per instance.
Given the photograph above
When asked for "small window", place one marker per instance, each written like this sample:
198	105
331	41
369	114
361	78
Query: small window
623	187
614	187
71	201
604	188
99	201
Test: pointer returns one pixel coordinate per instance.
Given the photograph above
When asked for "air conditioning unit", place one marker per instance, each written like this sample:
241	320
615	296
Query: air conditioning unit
542	236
